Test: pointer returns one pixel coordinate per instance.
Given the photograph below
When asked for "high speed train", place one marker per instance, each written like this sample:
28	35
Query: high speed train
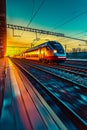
50	51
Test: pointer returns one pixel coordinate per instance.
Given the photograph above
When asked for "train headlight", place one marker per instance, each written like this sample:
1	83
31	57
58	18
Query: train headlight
55	51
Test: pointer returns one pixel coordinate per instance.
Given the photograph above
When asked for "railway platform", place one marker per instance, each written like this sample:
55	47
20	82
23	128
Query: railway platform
2	81
23	108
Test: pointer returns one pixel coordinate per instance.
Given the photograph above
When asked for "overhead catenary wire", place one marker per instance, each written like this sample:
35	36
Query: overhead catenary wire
33	1
34	15
79	33
68	19
71	19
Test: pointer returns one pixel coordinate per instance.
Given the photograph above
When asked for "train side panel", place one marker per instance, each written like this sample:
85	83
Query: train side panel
45	54
32	55
41	54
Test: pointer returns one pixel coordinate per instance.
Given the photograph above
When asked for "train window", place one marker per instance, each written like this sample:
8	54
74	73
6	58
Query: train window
55	46
58	47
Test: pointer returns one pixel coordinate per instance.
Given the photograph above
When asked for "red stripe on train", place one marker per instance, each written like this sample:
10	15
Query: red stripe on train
55	58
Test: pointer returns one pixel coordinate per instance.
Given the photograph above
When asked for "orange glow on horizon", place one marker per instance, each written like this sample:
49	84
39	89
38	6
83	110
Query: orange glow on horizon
17	45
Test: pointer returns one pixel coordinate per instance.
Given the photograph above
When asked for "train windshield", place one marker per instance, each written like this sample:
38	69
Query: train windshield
58	47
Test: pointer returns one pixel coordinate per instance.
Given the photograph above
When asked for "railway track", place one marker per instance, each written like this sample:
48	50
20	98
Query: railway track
73	69
69	95
65	71
77	63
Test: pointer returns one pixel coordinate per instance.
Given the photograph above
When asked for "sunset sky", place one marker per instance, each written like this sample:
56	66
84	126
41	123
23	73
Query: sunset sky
63	16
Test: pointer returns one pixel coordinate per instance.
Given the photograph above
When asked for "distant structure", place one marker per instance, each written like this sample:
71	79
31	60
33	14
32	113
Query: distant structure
2	28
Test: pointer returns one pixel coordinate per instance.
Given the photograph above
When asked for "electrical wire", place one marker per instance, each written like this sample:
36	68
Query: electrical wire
34	15
71	19
74	12
33	1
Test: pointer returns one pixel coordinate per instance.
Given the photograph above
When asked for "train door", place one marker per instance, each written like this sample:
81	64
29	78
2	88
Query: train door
42	53
39	54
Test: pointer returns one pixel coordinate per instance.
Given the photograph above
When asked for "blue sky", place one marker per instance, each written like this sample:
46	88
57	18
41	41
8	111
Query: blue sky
63	16
66	16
